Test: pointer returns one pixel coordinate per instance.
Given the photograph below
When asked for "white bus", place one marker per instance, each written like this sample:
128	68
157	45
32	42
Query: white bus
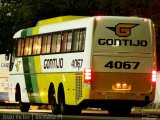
75	62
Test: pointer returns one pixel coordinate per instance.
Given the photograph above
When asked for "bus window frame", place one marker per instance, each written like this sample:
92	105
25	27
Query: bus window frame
44	44
72	37
82	39
75	41
18	47
25	52
54	42
22	47
30	46
69	42
39	43
48	46
59	37
35	45
77	34
64	40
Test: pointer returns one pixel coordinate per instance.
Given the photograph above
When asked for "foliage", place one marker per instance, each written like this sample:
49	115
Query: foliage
19	14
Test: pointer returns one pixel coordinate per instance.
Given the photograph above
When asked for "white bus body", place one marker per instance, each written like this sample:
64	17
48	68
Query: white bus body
115	70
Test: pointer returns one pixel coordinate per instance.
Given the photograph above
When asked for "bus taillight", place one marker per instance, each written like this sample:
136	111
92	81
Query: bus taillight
154	77
87	75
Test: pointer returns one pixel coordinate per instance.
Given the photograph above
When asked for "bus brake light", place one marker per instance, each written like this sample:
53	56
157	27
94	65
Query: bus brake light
87	75
154	77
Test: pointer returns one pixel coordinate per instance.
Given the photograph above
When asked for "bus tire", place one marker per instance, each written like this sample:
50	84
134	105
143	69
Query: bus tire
63	108
52	100
18	93
120	110
61	100
74	110
24	107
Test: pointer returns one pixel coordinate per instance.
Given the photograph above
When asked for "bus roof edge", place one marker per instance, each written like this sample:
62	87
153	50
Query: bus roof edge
58	20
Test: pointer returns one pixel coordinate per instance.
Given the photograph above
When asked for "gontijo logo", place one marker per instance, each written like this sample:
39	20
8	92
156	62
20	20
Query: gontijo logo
123	29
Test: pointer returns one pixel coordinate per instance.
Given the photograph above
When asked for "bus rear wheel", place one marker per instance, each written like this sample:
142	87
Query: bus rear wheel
61	103
24	107
66	109
119	110
53	103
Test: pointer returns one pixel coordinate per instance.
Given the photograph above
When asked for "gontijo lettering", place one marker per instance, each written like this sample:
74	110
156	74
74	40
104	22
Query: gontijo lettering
123	42
53	63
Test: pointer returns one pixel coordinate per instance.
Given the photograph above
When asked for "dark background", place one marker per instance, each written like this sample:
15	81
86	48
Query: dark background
19	14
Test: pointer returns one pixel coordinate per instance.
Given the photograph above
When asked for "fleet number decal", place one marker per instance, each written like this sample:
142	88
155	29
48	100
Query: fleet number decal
122	65
77	63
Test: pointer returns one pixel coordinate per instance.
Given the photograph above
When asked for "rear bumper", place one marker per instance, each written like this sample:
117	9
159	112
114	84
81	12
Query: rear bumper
105	99
106	103
122	96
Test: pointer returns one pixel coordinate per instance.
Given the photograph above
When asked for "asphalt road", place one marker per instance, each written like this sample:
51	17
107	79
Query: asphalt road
15	114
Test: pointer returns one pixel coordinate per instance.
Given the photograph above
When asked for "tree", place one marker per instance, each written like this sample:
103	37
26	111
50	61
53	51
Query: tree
19	14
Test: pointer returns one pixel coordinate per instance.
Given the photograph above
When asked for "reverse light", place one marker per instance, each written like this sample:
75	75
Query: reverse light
87	75
121	86
118	86
154	77
124	86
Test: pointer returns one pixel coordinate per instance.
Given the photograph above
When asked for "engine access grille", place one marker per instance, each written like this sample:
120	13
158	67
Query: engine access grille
78	87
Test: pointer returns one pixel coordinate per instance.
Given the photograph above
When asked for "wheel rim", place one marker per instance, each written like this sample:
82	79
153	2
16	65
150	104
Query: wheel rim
61	105
20	104
53	102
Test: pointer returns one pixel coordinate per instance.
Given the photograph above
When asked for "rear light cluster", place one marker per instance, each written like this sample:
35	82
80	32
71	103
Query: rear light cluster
154	77
87	75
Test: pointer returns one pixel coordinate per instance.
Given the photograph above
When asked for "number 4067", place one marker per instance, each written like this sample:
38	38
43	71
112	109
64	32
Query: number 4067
122	65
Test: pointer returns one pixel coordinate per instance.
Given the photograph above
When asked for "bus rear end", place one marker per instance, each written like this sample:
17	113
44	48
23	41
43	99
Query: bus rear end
123	63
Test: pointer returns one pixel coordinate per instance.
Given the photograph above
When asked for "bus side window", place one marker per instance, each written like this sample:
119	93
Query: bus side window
22	47
44	44
35	45
54	41
75	40
48	43
26	46
30	45
64	41
39	43
19	47
69	41
58	45
82	40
